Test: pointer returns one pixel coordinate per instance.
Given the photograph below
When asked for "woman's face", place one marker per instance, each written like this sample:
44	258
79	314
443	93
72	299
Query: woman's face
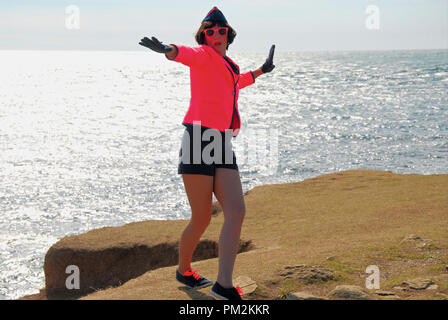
217	41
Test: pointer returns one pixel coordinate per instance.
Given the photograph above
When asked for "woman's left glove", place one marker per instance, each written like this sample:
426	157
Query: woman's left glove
268	66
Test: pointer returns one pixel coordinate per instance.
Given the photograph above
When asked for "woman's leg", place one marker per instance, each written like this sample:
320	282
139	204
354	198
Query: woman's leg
199	190
229	192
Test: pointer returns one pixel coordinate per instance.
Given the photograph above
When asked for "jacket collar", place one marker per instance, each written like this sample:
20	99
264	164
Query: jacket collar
237	67
234	76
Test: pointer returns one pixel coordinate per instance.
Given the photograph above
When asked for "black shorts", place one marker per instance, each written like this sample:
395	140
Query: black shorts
198	161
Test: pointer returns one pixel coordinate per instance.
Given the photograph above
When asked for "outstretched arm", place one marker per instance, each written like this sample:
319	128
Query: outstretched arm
183	54
248	78
171	54
268	66
257	73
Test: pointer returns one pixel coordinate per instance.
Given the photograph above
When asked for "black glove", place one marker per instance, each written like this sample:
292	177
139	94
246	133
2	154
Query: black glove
268	66
155	45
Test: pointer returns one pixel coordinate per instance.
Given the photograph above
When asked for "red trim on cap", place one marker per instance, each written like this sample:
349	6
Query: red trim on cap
211	11
214	9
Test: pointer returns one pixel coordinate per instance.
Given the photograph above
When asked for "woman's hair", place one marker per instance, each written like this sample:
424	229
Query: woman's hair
200	37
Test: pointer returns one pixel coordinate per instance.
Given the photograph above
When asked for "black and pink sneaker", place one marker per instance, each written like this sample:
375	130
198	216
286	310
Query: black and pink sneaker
192	279
222	293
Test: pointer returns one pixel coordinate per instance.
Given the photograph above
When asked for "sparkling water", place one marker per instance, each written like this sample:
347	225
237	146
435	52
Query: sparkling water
91	139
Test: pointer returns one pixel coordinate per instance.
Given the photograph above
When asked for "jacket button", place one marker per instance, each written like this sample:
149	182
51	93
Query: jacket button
233	92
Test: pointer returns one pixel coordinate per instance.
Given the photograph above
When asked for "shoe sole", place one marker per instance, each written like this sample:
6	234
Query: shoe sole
196	287
218	295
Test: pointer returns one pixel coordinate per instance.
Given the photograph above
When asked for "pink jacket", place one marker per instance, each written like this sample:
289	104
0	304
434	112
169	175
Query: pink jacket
214	88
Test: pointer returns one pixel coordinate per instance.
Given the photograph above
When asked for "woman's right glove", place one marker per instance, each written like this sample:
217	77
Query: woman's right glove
155	45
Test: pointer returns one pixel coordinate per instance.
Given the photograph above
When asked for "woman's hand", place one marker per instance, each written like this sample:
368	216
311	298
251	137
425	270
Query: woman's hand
268	66
155	45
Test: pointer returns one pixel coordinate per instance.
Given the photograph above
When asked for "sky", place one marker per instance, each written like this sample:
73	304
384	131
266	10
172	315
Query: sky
292	25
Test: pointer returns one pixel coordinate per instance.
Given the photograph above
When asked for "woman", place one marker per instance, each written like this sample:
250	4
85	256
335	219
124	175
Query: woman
213	112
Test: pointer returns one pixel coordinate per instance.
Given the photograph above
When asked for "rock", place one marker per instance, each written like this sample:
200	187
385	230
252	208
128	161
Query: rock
412	237
110	256
308	273
303	296
331	258
418	283
102	268
349	292
246	284
384	293
425	245
387	295
433	287
296	266
401	288
419	242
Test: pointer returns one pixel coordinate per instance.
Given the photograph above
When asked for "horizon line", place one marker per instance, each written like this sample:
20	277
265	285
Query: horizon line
283	51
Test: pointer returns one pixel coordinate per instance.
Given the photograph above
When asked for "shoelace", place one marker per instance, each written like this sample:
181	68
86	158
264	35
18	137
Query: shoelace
240	292
193	273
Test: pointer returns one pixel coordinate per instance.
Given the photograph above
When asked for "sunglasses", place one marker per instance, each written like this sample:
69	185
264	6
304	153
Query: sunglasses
210	32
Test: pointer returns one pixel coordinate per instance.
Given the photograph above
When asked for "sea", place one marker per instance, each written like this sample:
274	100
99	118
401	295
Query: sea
90	139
